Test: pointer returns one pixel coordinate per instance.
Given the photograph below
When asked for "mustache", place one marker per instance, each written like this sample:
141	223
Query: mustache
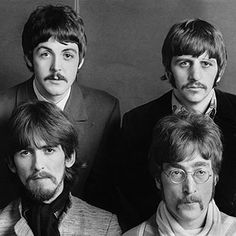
190	199
194	85
41	175
56	76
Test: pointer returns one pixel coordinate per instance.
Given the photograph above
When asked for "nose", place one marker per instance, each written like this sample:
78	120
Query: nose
195	72
189	185
56	64
38	161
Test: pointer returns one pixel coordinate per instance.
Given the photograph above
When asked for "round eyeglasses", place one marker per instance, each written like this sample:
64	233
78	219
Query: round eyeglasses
178	176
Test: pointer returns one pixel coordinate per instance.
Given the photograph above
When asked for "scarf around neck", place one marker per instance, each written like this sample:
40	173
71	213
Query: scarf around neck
167	225
41	217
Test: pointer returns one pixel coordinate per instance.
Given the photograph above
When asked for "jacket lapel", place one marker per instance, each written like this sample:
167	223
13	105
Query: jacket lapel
75	106
225	116
26	92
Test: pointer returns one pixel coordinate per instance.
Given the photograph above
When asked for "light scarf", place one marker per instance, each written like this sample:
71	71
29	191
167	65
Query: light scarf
167	225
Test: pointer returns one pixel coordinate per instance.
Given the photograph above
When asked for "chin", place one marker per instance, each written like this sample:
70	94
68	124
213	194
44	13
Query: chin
42	195
190	215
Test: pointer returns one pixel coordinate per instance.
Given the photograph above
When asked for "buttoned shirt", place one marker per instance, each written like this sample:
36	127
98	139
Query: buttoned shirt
178	107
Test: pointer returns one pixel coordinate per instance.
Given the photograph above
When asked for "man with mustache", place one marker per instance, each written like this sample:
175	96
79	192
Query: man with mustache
185	159
42	154
194	57
54	45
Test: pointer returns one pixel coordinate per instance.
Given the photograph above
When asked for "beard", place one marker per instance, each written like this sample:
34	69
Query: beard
40	192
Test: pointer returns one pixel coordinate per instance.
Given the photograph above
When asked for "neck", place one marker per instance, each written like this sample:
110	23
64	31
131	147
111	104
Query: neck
197	107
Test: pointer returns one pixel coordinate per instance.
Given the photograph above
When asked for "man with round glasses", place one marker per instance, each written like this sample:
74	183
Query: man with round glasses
178	175
185	158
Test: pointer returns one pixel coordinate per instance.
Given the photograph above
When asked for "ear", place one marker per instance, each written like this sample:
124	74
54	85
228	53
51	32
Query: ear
158	183
168	75
81	63
218	79
70	161
27	61
11	165
216	178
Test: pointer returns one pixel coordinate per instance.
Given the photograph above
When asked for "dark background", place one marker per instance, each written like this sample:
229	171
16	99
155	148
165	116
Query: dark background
124	42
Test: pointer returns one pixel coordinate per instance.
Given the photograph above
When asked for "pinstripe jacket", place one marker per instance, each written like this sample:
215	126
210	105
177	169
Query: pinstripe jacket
80	219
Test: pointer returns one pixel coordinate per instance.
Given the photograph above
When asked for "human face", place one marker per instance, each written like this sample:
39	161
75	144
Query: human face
194	77
41	170
55	66
188	201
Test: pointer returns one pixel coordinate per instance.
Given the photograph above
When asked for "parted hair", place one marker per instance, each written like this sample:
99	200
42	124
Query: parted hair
60	22
193	37
40	120
178	136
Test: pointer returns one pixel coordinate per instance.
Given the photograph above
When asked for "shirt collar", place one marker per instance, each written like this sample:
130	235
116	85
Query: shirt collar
178	107
61	104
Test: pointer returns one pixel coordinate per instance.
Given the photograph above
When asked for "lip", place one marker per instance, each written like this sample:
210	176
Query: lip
189	204
194	88
39	178
56	81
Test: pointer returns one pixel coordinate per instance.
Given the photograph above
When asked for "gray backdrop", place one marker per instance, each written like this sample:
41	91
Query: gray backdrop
124	42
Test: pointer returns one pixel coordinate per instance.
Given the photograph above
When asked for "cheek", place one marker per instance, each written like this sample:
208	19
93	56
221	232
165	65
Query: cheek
41	67
180	78
57	169
23	174
72	70
171	193
206	191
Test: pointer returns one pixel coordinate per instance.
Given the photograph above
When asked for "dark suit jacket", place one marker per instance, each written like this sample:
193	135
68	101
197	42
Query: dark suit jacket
136	183
96	117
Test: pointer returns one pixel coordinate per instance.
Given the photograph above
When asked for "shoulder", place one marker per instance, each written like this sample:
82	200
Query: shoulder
144	117
8	97
9	216
11	209
148	227
99	104
228	224
98	96
12	90
160	105
225	97
92	219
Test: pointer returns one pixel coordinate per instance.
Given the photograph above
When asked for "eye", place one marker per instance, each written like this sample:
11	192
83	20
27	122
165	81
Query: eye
68	56
176	173
49	150
44	54
24	153
184	64
200	172
206	64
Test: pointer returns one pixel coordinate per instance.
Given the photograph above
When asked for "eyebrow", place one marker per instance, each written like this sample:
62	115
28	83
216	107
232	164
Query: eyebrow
183	58
43	47
49	49
196	164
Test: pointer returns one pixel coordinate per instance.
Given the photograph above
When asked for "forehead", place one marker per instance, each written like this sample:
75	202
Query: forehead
37	141
55	45
204	56
194	161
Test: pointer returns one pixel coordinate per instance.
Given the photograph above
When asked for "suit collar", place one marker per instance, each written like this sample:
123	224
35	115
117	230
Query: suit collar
76	105
224	105
26	92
